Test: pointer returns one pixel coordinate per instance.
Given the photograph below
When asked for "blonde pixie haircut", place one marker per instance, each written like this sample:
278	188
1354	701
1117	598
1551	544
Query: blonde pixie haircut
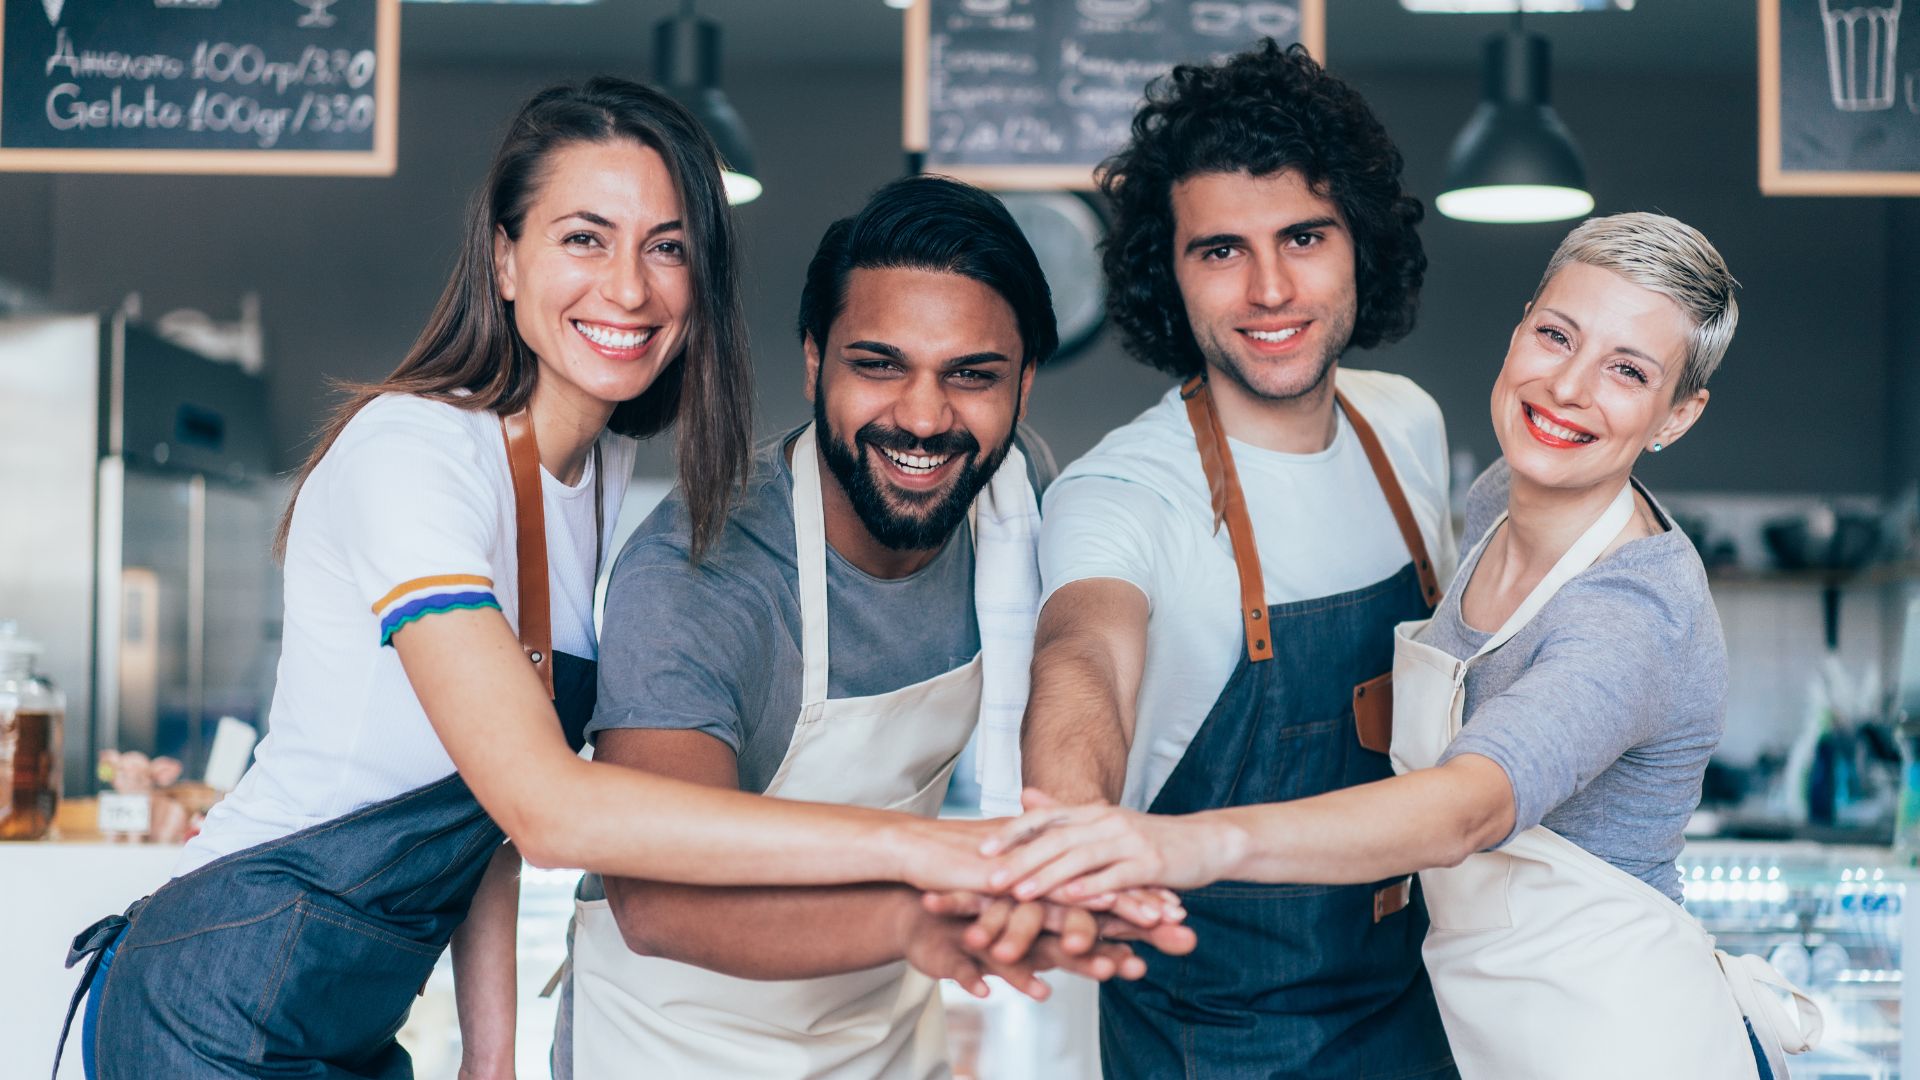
1669	257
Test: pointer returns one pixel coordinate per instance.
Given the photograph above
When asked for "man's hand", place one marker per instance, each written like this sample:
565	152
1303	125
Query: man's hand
1007	929
947	947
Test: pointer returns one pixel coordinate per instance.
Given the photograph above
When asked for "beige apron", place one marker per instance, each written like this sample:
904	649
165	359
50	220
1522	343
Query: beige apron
648	1017
1548	961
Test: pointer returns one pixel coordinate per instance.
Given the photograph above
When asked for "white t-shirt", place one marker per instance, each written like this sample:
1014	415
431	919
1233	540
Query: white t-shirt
410	513
1137	508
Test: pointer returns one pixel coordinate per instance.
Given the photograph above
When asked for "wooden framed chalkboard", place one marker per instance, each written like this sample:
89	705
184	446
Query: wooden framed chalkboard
1840	97
1032	94
306	87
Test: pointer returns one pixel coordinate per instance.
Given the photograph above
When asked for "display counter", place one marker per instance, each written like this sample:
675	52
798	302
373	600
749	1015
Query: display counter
1834	921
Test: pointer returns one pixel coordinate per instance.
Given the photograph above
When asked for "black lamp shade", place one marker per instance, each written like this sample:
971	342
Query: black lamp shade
686	61
1515	160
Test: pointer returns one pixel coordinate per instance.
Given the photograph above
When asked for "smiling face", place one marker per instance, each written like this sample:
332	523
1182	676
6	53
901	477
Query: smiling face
1589	380
598	277
1265	267
915	398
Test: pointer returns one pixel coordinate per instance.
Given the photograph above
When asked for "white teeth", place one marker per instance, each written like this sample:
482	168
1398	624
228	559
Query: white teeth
1273	335
1556	430
611	338
916	462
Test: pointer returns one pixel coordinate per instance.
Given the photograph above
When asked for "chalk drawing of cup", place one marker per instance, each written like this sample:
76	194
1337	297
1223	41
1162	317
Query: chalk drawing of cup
1861	46
986	7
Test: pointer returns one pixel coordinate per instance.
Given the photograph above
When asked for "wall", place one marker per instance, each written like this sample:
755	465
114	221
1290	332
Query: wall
26	232
348	269
1818	395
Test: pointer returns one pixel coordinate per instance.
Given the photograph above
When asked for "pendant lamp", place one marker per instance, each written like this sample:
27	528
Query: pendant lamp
686	64
1515	161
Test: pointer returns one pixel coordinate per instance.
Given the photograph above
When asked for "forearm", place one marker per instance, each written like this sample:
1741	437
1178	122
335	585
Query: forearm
700	835
1077	730
485	970
562	811
1423	819
765	933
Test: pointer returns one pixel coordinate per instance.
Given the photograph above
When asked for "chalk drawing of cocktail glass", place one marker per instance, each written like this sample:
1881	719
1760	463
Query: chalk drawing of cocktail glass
1861	43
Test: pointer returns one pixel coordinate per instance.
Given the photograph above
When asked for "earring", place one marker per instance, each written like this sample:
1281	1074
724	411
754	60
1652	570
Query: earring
1657	447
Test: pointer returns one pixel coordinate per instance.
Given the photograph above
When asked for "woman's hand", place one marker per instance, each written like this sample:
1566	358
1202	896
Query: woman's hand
1084	854
939	855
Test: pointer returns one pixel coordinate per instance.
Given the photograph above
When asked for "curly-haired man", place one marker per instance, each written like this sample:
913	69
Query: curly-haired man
1260	231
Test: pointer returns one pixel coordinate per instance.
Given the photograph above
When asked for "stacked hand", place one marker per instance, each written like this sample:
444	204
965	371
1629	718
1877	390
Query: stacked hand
1013	898
1082	854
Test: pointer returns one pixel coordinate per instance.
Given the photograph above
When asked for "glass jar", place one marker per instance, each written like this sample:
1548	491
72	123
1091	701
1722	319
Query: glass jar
32	718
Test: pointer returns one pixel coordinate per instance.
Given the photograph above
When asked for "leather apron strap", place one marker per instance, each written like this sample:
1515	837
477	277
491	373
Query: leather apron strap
530	539
1230	506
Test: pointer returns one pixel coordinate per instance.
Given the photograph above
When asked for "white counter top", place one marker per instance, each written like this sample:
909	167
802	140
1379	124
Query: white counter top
49	892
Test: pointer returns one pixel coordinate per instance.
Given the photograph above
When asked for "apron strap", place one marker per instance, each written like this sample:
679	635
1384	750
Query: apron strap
530	539
1230	506
1396	500
1584	553
810	550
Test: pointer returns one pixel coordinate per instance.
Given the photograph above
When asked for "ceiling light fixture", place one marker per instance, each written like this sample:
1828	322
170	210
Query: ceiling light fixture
1515	161
686	64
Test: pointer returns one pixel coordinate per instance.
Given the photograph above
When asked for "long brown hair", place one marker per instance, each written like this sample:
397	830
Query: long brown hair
470	343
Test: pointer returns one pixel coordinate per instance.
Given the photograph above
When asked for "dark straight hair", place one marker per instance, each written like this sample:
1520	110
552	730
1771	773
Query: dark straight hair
932	223
470	355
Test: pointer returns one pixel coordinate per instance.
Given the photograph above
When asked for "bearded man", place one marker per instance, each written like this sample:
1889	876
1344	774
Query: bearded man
832	645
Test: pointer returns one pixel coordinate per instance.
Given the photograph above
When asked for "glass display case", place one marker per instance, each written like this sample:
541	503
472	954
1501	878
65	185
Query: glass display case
1833	920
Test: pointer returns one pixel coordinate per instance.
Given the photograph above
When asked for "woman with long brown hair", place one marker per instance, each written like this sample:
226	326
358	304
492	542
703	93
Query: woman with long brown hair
437	672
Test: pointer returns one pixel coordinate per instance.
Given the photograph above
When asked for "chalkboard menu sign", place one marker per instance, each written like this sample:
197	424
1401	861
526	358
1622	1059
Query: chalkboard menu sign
1839	97
1035	93
199	86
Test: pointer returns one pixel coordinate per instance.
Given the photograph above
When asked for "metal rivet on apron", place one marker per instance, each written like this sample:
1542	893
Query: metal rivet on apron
1253	613
1359	691
1261	644
535	656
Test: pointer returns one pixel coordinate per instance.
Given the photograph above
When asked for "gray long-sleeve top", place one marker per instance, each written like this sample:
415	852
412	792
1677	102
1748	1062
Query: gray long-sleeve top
1604	709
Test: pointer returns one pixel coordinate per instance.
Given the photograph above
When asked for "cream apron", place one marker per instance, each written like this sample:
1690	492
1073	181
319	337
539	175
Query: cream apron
1547	961
642	1016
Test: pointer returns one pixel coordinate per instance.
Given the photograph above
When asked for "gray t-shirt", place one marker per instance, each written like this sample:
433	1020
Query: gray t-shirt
1605	708
716	647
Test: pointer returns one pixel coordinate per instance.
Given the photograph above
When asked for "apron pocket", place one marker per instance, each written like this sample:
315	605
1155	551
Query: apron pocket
342	990
1373	713
1470	897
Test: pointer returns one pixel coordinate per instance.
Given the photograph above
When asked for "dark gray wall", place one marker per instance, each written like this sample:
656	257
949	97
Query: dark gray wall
1903	350
26	231
1798	403
348	268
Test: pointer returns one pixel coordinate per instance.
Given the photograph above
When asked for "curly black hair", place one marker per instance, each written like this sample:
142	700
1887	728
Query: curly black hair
1264	110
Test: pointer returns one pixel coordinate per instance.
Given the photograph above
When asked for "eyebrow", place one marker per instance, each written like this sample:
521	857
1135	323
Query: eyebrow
592	218
1214	240
893	352
1628	349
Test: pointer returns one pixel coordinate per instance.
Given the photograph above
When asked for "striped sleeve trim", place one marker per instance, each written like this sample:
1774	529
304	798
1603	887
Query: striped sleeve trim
432	604
436	582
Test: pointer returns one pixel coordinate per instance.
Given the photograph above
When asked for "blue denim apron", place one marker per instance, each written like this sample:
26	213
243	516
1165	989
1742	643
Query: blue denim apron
1295	981
301	957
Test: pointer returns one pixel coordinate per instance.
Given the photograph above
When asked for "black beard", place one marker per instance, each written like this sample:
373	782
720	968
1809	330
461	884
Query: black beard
926	519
